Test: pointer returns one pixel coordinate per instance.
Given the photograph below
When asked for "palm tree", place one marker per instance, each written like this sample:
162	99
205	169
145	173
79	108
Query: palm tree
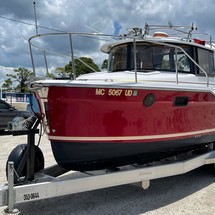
22	76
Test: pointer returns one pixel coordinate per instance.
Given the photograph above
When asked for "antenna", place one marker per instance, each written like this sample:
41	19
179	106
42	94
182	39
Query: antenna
35	17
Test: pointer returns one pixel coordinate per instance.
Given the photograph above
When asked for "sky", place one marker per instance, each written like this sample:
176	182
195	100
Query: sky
106	16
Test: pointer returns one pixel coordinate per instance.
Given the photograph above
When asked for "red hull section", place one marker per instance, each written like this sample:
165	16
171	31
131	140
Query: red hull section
117	119
80	112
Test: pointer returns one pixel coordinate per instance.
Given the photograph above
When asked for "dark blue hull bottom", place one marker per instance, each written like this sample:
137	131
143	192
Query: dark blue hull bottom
83	156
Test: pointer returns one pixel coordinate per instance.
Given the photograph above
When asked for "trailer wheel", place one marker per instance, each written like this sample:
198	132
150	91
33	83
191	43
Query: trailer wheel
16	156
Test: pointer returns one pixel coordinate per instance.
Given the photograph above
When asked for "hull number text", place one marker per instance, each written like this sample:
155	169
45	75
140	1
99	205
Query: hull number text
115	92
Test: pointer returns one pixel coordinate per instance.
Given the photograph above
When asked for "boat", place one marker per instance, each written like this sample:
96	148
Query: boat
156	100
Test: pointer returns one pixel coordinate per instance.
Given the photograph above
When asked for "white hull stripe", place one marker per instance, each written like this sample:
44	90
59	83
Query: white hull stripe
147	137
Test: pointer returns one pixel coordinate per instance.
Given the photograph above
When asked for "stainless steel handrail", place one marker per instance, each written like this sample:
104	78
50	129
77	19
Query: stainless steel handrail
71	47
180	48
93	35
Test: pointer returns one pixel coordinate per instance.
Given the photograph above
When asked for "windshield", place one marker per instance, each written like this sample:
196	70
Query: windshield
149	57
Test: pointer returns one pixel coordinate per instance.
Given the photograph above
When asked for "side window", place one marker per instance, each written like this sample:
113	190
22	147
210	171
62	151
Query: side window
183	63
3	106
118	58
206	61
169	60
144	57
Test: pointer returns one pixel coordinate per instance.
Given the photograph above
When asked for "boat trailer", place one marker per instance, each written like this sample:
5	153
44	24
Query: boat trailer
53	182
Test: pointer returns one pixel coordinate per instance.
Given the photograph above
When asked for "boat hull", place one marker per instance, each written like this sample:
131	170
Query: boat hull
92	128
108	155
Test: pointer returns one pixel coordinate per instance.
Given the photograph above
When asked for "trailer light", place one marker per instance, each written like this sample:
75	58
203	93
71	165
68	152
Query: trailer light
149	100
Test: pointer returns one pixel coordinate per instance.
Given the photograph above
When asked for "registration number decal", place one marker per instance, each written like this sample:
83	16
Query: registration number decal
31	196
115	92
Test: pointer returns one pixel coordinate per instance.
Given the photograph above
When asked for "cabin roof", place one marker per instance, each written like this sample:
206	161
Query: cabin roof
150	39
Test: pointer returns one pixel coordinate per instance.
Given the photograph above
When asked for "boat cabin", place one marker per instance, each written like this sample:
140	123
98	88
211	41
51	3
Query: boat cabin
161	55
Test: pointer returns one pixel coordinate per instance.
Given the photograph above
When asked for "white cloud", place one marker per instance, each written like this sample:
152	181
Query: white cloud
83	15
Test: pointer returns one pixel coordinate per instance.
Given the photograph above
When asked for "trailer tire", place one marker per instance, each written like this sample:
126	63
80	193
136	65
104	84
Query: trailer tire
16	156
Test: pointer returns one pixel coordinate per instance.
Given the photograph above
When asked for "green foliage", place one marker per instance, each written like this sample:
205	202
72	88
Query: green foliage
62	72
7	85
22	76
83	65
105	64
82	68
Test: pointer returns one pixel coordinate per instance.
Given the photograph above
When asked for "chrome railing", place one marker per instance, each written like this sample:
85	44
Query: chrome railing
135	37
176	62
71	55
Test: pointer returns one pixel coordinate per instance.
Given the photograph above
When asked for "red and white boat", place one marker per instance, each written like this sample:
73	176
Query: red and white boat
156	100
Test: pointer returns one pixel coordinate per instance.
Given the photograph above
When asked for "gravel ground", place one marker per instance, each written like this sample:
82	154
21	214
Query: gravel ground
188	194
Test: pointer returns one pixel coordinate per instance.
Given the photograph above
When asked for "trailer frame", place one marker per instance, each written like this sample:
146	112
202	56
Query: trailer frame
46	185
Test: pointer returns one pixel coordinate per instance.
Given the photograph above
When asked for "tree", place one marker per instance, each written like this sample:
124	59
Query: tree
65	72
7	85
84	65
56	73
22	76
105	64
50	75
